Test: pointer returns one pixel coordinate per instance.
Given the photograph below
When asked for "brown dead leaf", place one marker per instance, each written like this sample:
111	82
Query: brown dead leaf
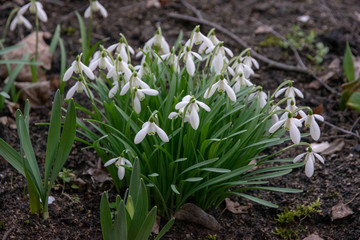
319	109
12	107
335	146
44	56
9	122
313	237
340	211
98	175
335	65
189	212
156	228
37	93
263	29
320	147
324	78
235	207
153	3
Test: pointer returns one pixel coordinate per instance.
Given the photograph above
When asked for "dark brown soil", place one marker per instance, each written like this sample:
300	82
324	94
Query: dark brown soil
75	213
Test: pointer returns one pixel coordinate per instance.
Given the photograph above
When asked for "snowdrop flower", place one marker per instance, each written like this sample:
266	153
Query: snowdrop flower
158	41
118	68
242	68
290	92
274	116
314	127
150	128
241	81
198	38
78	67
222	86
102	60
290	124
309	161
18	20
94	7
78	87
188	60
249	61
140	95
133	82
219	51
114	89
262	97
293	109
173	60
192	109
121	49
119	163
142	70
35	7
51	199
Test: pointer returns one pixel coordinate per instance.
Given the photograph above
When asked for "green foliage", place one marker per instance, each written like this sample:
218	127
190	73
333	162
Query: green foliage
209	237
301	40
66	175
131	219
350	95
57	150
290	218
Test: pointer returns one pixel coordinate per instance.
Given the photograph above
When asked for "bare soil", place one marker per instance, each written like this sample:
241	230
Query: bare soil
75	213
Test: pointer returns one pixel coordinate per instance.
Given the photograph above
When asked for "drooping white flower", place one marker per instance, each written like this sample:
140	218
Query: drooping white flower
312	124
290	92
191	105
140	95
241	81
172	59
150	128
35	7
274	116
241	68
18	20
121	49
134	82
157	41
78	87
222	86
101	60
309	161
95	6
120	67
77	66
294	110
188	60
198	38
249	61
290	124
262	97
119	163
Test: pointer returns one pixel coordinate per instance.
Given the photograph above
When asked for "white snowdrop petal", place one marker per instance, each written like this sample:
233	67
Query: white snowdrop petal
255	62
298	92
137	105
173	115
26	23
276	126
13	23
121	172
68	73
197	55
318	156
295	134
228	51
210	91
71	91
150	92
125	88
23	9
194	119
141	134
161	134
181	105
42	14
230	92
319	117
112	47
87	12
190	66
113	90
204	106
281	91
111	161
165	45
87	71
298	157
94	64
102	9
51	199
309	168
315	130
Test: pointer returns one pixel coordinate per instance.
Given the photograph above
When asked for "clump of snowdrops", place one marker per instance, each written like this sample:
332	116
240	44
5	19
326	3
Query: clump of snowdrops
192	117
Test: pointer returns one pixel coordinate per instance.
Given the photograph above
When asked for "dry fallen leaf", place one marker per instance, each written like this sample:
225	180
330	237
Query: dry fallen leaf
263	29
235	207
335	146
191	213
313	237
44	56
320	147
340	211
9	122
98	175
324	78
37	93
335	65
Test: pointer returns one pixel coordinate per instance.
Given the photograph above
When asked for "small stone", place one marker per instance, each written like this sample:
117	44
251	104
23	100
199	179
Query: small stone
313	237
340	211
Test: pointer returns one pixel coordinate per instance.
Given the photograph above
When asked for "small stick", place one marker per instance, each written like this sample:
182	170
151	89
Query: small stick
341	129
192	8
7	233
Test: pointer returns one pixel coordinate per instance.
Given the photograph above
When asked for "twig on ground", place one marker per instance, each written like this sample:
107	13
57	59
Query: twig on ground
357	194
355	123
7	233
342	130
260	57
192	8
